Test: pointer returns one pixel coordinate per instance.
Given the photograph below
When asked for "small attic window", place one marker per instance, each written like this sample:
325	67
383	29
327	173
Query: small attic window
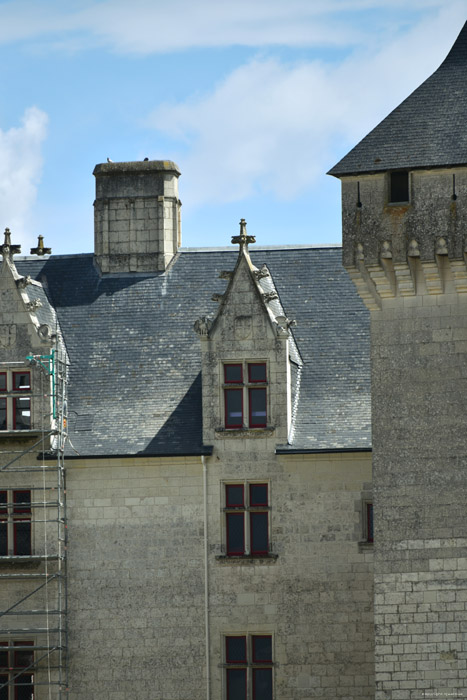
399	187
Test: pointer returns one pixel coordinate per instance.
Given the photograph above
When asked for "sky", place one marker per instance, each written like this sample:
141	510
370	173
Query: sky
255	100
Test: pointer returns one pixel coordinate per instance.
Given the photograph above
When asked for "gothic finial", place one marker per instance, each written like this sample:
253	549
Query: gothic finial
7	249
243	238
40	250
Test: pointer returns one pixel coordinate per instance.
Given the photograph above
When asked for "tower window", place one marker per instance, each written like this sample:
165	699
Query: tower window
15	400
248	667
247	519
15	523
399	187
245	394
16	683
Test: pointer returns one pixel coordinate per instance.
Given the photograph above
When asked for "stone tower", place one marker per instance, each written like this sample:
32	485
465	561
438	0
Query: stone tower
404	206
136	215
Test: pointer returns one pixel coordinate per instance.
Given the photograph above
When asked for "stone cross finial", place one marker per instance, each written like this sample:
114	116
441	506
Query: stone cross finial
243	238
8	250
40	250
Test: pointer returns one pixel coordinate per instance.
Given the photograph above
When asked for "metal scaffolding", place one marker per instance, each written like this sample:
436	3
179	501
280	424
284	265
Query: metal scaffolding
33	586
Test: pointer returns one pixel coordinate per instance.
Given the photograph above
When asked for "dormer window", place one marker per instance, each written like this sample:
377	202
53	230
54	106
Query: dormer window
245	394
399	187
15	400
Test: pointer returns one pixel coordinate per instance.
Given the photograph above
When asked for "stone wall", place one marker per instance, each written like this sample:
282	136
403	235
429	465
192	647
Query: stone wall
136	575
419	361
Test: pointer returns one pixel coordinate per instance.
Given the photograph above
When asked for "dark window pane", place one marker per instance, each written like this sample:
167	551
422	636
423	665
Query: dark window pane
235	650
24	688
369	516
21	381
3	502
399	187
23	657
22	534
2	414
234	495
259	533
262	648
233	373
22	414
3	656
22	501
257	372
3	538
262	683
258	494
257	407
2	381
3	691
233	408
236	684
235	533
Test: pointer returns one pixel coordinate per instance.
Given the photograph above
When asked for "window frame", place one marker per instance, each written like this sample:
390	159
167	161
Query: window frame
250	388
11	399
247	510
14	513
11	673
369	522
249	667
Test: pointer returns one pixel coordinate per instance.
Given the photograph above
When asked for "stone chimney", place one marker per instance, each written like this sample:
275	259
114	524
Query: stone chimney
137	224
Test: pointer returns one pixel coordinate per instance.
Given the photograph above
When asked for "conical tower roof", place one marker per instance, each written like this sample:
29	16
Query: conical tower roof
428	130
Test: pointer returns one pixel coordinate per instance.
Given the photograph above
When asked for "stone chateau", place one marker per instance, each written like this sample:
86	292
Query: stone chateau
191	447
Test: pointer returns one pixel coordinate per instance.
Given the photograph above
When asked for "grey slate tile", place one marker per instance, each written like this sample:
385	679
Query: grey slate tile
135	384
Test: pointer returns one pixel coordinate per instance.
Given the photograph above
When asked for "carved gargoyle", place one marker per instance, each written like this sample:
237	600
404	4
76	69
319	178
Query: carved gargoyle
263	272
202	326
23	282
33	305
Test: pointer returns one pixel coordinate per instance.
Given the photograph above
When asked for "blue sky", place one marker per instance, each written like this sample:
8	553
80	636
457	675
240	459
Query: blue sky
253	99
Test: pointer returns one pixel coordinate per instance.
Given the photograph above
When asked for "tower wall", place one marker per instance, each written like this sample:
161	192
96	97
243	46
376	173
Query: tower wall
408	263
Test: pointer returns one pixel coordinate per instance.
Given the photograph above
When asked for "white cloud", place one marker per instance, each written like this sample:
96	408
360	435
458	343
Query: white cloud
275	127
156	26
20	169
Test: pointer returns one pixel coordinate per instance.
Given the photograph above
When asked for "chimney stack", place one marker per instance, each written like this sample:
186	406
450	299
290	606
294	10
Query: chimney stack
137	224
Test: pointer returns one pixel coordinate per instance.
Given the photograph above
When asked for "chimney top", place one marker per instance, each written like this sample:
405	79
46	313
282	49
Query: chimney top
135	167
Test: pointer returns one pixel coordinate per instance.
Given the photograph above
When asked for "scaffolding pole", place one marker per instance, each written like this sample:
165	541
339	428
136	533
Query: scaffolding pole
33	586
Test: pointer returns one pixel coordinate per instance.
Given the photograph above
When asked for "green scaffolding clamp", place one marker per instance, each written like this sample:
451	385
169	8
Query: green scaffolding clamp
47	362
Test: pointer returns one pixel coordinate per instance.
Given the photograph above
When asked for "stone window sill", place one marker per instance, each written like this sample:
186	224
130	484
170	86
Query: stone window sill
244	432
365	546
247	559
20	433
15	562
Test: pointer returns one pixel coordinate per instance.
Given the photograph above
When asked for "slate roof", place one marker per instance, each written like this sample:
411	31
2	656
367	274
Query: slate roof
426	131
135	384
